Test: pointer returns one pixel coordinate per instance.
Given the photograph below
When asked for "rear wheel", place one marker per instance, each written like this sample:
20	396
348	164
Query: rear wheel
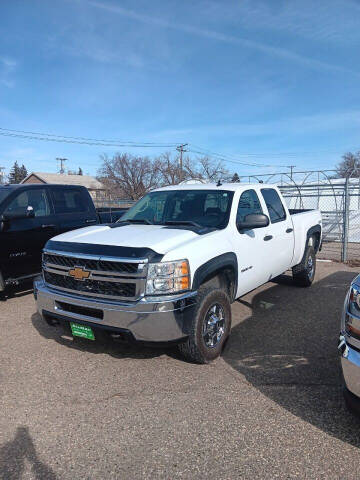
304	273
209	328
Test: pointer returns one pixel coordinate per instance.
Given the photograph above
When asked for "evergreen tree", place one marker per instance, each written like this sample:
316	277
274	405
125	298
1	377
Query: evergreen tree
23	172
17	174
235	178
14	174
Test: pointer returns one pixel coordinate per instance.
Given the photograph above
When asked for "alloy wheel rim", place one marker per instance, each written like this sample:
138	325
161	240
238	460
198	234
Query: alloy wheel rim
310	267
214	325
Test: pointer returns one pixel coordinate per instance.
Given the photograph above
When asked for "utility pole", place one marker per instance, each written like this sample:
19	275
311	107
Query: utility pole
2	175
62	161
181	149
291	170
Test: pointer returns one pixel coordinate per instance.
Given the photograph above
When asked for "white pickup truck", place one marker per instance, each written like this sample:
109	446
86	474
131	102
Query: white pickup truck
169	269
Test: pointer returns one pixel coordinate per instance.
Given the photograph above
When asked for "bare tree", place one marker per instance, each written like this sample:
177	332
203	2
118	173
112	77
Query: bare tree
129	176
202	168
206	169
211	170
349	165
169	169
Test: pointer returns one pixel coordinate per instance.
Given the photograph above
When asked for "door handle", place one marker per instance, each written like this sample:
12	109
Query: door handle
90	221
289	230
48	226
268	237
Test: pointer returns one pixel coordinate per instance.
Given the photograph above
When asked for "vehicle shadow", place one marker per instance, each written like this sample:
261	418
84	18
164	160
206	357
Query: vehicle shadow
103	344
14	453
287	349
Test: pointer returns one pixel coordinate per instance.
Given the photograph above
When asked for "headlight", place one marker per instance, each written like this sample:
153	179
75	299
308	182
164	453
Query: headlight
168	277
354	300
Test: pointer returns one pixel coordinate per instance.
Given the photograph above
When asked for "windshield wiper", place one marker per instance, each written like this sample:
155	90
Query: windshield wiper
138	220
183	222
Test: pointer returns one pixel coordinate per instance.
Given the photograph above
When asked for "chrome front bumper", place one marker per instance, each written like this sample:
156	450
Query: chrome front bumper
160	319
349	348
350	363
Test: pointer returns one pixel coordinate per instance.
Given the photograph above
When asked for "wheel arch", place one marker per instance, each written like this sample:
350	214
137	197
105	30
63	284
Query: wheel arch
314	232
225	267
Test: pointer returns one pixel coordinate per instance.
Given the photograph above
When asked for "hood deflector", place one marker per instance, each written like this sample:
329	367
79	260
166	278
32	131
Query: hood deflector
104	250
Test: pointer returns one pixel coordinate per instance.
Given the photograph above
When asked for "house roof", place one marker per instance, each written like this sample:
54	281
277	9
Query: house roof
64	179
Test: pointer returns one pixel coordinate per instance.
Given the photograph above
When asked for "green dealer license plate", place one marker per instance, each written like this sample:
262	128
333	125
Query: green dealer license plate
82	331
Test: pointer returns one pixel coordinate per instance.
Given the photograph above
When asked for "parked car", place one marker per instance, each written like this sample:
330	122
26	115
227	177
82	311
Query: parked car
30	215
349	346
170	268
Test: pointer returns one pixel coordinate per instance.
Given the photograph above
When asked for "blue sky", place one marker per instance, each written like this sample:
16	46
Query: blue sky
273	82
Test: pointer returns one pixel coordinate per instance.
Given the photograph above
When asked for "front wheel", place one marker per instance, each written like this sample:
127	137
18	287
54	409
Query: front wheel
209	327
304	273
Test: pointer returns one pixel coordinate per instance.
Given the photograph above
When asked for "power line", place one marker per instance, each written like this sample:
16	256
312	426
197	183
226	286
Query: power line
237	162
81	140
235	159
47	137
279	154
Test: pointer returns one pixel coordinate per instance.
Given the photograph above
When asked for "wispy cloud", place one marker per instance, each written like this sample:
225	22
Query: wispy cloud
323	20
297	126
266	49
7	67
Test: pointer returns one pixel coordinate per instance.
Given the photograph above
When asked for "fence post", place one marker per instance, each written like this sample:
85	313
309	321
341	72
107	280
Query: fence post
345	222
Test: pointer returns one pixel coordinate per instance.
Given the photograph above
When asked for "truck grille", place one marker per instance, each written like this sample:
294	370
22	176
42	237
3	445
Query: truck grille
103	289
90	264
95	276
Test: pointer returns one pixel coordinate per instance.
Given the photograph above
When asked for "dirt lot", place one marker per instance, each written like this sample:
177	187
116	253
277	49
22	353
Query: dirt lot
271	407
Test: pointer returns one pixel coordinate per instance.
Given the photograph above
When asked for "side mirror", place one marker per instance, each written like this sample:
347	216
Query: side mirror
253	220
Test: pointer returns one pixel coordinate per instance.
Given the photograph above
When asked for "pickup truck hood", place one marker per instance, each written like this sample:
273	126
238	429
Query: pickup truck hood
157	237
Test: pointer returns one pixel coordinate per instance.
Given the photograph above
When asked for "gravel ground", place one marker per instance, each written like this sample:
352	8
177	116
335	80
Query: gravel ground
271	407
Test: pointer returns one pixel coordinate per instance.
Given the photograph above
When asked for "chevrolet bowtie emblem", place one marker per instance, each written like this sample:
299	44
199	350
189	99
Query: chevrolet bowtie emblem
79	273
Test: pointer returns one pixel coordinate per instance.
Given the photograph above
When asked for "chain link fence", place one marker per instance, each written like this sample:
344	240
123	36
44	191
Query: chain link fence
338	199
113	203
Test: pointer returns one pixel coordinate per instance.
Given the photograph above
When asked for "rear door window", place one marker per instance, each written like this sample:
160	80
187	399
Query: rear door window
274	205
70	200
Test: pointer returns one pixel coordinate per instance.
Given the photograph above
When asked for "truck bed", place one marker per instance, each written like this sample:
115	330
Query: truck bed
295	211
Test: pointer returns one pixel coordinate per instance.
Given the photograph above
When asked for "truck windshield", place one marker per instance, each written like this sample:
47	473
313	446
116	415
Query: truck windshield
205	208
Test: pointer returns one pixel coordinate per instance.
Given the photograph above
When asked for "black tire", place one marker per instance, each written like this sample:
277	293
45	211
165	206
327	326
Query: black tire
304	273
195	348
352	402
